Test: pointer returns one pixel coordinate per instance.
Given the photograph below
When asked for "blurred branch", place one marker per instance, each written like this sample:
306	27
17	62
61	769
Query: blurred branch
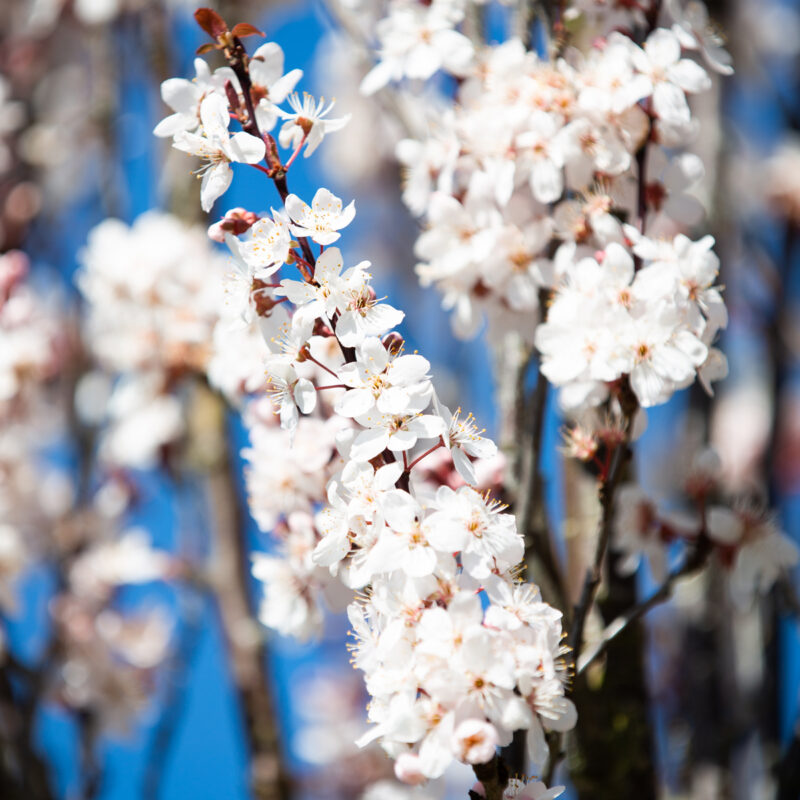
248	655
607	494
23	773
696	561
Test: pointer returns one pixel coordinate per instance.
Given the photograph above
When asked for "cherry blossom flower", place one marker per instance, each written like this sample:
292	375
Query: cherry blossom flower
378	382
289	392
270	85
695	32
417	41
218	148
761	551
669	75
307	123
185	97
332	288
322	219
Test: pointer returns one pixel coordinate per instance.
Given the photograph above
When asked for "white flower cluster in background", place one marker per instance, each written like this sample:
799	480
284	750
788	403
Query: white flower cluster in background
103	660
357	415
654	325
152	293
745	539
107	657
527	186
33	347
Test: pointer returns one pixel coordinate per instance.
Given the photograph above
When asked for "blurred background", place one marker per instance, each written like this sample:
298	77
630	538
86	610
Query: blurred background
79	97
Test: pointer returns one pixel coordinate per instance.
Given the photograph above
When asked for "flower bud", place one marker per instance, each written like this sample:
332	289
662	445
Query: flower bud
407	769
475	741
393	342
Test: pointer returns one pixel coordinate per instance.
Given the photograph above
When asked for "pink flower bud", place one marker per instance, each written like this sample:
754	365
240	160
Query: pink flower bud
236	221
393	342
407	769
475	741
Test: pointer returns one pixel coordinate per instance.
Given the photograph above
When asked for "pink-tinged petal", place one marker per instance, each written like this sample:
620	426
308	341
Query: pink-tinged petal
245	148
690	76
662	48
282	87
329	265
179	94
305	395
368	444
214	184
354	402
297	209
214	116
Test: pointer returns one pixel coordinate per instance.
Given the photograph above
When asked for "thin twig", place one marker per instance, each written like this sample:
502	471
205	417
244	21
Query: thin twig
692	564
248	654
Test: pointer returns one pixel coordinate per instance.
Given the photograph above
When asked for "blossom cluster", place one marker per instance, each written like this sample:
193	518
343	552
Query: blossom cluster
529	185
449	678
341	379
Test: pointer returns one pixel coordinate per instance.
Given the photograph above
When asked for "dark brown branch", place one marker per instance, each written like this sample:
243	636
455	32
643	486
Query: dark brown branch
494	778
607	492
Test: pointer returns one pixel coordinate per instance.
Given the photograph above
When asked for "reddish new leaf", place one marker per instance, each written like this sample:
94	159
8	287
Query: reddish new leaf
211	22
246	29
205	48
